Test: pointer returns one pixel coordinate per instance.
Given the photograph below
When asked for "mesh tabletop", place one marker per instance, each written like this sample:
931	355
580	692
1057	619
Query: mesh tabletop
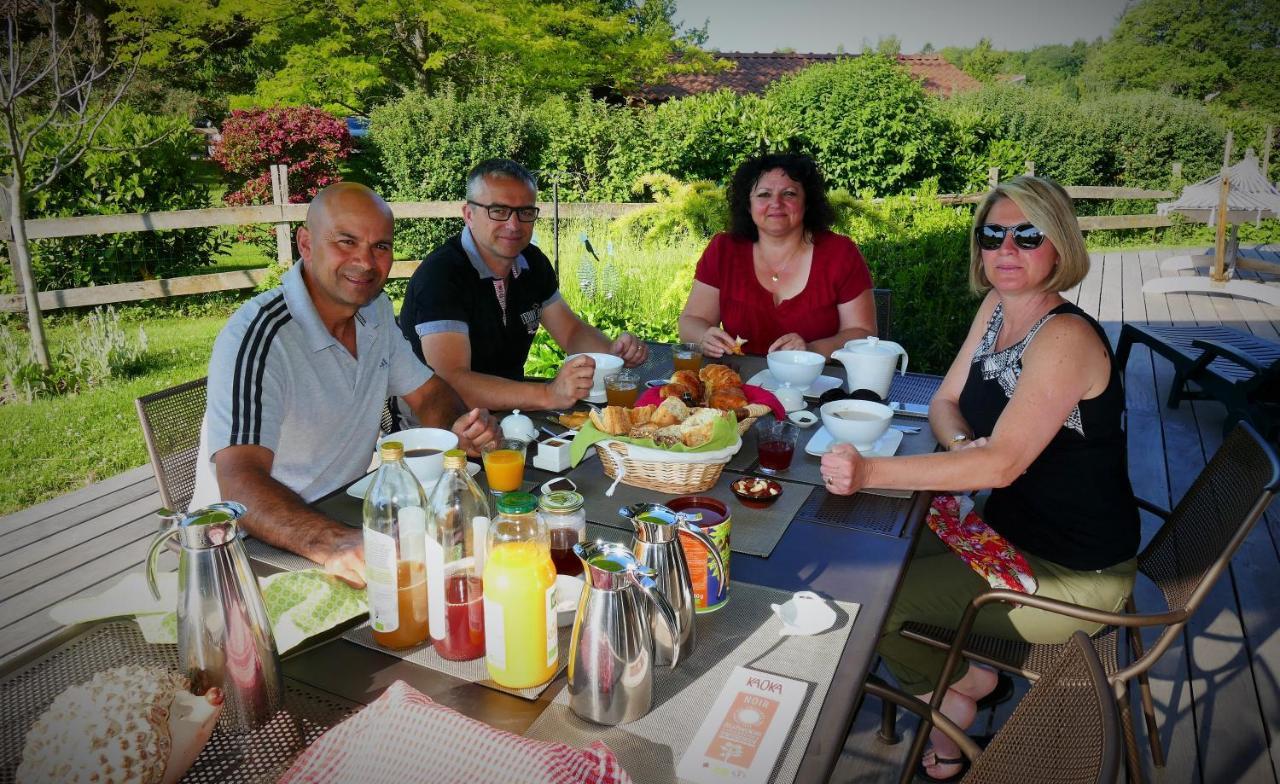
261	756
742	633
917	388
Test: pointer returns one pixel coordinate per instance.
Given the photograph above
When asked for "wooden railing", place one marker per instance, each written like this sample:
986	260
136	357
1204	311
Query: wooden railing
282	215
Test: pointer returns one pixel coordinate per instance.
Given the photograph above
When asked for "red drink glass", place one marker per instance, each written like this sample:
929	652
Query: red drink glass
562	555
776	445
463	618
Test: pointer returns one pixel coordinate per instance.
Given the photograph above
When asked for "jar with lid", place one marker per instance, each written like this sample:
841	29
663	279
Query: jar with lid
561	511
521	640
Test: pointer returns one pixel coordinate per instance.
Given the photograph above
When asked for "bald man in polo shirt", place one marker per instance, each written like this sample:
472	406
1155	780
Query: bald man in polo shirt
473	306
298	378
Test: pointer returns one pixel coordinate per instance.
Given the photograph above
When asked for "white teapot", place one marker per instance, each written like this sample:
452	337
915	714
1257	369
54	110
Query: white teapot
869	364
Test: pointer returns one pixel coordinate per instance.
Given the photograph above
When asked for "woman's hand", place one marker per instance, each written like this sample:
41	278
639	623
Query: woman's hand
789	342
844	471
716	343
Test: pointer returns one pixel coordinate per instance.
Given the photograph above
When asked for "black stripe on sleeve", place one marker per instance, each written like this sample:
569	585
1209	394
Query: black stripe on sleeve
242	397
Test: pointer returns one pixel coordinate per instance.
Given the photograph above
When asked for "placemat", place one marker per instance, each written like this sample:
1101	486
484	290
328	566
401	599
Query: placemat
754	531
262	755
473	671
281	559
743	633
916	388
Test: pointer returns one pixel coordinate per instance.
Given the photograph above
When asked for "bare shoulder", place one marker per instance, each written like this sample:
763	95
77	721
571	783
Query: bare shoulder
1066	337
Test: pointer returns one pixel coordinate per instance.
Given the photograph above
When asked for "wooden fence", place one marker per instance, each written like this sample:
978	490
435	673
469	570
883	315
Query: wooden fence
282	215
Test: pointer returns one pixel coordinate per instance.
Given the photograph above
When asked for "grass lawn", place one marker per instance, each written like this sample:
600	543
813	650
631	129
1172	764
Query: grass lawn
55	445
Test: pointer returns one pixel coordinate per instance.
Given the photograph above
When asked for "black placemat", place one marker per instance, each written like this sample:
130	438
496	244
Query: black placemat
917	388
754	531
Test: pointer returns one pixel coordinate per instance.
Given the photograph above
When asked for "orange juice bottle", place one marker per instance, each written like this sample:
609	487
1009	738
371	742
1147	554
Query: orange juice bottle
521	641
395	556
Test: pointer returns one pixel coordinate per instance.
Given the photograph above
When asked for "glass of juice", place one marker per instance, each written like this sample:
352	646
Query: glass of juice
504	465
687	356
776	444
622	388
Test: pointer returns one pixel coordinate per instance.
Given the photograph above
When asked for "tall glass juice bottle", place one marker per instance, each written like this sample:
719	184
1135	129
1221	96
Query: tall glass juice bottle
455	555
521	642
395	558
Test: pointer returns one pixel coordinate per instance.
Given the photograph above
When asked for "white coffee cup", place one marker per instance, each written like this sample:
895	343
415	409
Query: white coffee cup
606	365
426	468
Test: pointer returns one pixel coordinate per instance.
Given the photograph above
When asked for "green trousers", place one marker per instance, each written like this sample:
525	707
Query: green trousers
938	586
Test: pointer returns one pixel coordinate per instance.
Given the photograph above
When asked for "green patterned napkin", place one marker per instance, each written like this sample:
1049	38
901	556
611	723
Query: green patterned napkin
299	604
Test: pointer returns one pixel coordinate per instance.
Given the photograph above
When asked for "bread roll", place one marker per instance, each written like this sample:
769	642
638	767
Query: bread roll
668	436
644	431
613	420
727	398
689	379
642	415
697	429
683	391
672	411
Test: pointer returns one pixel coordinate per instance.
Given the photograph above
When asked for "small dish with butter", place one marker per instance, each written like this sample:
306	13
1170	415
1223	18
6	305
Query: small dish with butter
756	492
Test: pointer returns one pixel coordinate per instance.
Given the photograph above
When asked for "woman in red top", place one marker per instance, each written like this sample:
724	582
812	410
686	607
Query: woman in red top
779	278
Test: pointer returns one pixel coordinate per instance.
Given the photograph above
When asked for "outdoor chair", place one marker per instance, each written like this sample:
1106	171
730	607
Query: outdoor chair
1233	367
170	422
1184	559
884	312
1067	723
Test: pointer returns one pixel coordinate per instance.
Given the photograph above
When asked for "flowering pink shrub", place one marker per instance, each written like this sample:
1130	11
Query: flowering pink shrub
309	140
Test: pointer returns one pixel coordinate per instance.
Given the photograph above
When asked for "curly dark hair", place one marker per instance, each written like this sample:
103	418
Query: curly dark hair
818	213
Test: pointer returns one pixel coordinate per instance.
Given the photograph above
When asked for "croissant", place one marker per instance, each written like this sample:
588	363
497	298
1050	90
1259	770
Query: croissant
680	391
727	398
689	379
642	415
714	376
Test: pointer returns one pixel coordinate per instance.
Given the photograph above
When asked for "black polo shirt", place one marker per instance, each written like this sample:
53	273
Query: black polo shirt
453	291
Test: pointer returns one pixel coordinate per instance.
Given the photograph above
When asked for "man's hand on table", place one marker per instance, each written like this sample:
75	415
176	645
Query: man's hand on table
345	558
631	349
572	383
476	429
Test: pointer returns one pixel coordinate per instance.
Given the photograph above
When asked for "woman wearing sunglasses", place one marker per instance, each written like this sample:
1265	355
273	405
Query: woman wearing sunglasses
779	278
1032	410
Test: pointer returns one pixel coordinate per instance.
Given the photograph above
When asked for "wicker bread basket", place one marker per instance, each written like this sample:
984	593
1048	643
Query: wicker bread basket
663	476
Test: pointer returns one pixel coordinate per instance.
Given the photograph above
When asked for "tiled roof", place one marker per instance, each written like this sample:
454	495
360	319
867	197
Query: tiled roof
756	70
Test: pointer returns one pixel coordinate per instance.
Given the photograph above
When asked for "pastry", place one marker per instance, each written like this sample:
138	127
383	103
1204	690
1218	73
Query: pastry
689	379
613	420
697	429
727	398
683	391
715	376
573	420
642	415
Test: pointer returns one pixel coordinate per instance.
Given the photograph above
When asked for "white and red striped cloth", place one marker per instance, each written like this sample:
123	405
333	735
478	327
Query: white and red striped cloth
404	737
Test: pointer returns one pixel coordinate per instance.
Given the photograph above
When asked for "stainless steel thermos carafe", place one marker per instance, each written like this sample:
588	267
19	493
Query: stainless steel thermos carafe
224	634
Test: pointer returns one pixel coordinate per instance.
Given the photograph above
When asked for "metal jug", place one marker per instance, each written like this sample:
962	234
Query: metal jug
611	652
656	543
224	634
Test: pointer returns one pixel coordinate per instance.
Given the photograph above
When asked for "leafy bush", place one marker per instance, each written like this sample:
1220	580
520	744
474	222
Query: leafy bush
865	120
595	149
1146	132
139	163
99	350
681	210
308	140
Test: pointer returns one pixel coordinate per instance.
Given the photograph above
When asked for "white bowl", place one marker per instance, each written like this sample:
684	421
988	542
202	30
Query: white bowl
568	591
797	368
429	468
606	365
868	421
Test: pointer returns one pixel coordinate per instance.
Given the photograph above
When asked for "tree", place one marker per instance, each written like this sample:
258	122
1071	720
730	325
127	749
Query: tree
348	55
1195	49
58	84
983	63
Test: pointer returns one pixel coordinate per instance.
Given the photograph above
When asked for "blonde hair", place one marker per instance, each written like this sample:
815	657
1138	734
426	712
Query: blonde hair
1048	207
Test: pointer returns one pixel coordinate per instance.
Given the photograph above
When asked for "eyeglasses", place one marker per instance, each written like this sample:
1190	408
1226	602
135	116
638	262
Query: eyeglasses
501	212
990	236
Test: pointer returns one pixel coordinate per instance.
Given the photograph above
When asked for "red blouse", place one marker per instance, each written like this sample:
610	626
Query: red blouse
837	275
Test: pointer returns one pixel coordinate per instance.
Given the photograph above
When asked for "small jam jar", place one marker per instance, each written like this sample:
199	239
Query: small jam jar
561	511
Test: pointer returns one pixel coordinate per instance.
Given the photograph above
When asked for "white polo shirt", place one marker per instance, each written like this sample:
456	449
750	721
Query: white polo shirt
278	379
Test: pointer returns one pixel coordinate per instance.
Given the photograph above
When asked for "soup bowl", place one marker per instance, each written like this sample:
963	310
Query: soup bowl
427	466
857	422
797	368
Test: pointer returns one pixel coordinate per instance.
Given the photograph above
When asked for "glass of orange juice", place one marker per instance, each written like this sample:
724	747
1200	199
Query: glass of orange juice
504	465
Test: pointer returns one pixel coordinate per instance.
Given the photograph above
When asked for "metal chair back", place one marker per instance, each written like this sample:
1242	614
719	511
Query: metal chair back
170	422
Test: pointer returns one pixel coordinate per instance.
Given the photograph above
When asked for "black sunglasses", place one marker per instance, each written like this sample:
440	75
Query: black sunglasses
501	212
990	236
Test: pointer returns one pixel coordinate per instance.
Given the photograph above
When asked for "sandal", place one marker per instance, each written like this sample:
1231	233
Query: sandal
1002	692
922	770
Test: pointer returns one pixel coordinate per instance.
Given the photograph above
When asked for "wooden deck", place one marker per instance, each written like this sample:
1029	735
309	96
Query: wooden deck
1216	694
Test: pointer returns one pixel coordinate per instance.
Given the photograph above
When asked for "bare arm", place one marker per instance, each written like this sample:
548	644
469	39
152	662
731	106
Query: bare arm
857	320
945	418
1065	364
279	516
449	354
700	321
436	404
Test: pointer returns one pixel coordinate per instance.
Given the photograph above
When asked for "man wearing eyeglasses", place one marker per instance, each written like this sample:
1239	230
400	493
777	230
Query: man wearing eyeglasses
474	304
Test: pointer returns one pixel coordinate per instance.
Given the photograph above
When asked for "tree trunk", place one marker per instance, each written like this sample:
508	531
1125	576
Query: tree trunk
12	204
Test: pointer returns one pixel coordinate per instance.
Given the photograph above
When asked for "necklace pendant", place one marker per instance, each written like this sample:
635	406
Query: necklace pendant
774	278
